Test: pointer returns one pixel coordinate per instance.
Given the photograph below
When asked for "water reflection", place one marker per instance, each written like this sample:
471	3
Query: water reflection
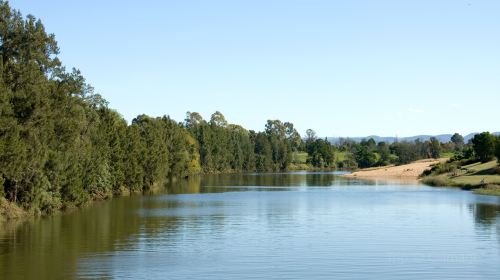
209	217
52	246
278	179
485	214
487	218
267	182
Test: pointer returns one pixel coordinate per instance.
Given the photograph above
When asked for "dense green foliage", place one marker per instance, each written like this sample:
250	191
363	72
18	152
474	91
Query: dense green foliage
497	149
225	147
321	153
471	166
458	141
60	144
484	146
368	153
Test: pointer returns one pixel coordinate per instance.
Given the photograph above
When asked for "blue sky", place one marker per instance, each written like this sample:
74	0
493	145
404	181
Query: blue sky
342	68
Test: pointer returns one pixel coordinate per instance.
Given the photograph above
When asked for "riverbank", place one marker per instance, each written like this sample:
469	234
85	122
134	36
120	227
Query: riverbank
411	171
10	211
488	190
481	178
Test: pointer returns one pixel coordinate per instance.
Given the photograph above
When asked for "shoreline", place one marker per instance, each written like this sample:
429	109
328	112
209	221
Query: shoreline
406	172
402	174
478	177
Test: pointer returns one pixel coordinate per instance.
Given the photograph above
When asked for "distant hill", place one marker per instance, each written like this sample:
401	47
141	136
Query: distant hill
442	138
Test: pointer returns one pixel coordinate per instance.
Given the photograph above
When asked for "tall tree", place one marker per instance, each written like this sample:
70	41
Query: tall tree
276	132
406	152
310	135
458	141
263	153
435	147
497	148
484	146
320	153
293	137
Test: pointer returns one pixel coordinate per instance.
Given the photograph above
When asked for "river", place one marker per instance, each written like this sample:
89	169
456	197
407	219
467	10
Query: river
265	226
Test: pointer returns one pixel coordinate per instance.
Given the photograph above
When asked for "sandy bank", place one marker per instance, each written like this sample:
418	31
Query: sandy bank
409	171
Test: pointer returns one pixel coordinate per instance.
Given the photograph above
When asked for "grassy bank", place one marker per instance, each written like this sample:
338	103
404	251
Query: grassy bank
488	190
482	178
299	163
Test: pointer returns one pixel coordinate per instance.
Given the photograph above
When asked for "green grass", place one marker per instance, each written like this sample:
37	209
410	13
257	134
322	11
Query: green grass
447	155
340	156
472	176
478	166
299	157
475	180
437	181
489	190
300	167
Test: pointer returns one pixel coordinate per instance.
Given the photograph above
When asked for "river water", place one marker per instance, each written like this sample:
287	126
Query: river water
265	226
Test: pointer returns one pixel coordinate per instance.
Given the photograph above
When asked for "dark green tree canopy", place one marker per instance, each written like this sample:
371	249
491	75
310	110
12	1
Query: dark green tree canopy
457	140
497	148
484	146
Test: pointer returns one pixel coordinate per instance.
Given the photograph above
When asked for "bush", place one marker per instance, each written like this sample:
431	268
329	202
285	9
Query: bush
442	168
348	164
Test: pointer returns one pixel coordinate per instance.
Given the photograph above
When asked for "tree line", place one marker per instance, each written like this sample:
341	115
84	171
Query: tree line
62	146
369	153
483	147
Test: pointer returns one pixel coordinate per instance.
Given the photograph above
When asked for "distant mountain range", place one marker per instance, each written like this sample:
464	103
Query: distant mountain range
443	138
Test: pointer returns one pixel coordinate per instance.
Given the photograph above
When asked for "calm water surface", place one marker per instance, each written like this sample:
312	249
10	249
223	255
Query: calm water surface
271	226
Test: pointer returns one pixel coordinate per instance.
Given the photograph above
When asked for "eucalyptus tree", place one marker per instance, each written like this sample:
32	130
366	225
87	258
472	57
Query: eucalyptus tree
457	140
484	146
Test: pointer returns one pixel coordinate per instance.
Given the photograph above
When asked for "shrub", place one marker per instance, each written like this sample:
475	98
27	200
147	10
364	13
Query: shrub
441	168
